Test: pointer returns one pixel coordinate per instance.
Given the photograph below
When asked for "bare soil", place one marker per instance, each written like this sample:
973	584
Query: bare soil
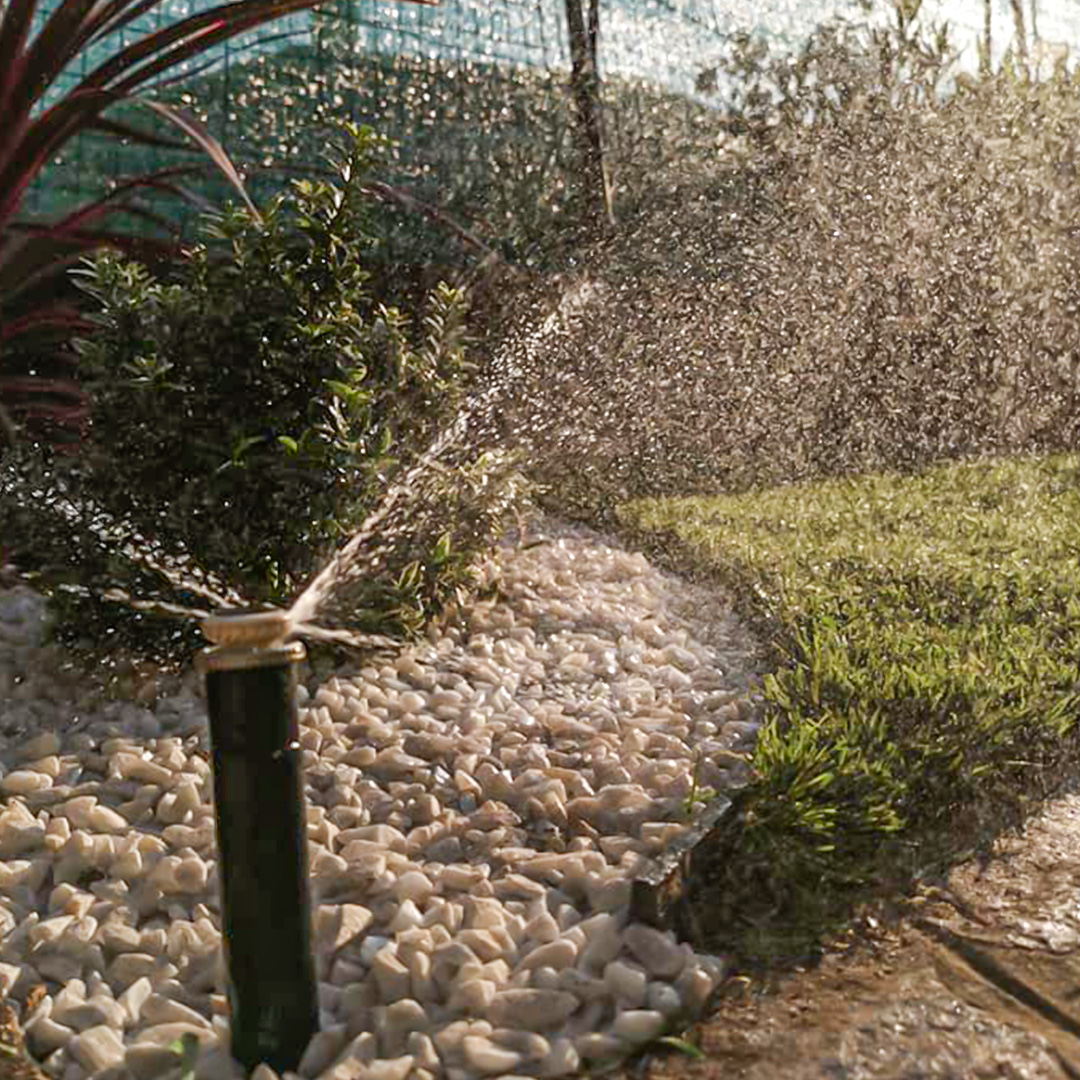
979	978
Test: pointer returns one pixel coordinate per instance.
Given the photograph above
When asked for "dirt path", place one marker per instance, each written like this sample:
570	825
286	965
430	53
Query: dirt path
978	980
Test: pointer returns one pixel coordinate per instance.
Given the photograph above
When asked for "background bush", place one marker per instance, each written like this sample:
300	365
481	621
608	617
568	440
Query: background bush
247	414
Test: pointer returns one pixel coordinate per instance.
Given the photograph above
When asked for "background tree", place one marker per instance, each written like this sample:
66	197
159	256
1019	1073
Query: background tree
594	181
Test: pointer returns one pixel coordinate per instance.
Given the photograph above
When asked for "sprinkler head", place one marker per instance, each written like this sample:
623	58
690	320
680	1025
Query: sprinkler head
261	832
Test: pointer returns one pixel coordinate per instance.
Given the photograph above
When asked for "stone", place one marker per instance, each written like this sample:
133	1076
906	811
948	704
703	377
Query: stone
165	1034
88	1014
420	1045
158	1009
415	886
473	996
46	1035
657	951
323	1048
147	1061
626	982
406	917
97	1048
128	967
20	832
385	1069
397	1021
117	937
664	998
373	945
391	976
595	1046
133	999
556	954
602	943
562	1060
483	943
695	985
483	1056
582	985
338	924
102	819
24	782
538	1010
216	1063
542	928
639	1025
530	1045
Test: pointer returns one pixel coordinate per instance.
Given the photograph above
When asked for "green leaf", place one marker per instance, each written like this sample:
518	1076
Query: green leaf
683	1046
189	1054
442	548
289	443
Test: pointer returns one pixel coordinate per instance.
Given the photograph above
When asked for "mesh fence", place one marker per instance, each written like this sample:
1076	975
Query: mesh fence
473	92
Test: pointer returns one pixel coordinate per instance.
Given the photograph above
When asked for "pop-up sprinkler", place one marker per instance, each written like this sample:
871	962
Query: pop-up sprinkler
262	834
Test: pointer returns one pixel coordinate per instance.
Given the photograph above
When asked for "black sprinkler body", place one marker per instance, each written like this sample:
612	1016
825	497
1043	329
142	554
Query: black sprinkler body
262	835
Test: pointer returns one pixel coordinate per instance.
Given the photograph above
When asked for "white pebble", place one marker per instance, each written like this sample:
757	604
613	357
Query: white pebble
133	999
555	954
484	1056
148	1061
46	1035
97	1048
25	782
391	976
324	1047
538	1010
562	1060
385	1069
626	982
639	1025
657	951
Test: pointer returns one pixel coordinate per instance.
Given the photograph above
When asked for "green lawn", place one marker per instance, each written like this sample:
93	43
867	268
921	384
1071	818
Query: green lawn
927	639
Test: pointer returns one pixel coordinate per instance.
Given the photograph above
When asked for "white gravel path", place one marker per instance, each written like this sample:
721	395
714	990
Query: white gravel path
477	809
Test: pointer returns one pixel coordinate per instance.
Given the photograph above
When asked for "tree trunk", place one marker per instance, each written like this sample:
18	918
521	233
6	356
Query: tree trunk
594	188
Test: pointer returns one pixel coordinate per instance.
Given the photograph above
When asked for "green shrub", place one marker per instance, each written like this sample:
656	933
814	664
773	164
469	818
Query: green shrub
251	411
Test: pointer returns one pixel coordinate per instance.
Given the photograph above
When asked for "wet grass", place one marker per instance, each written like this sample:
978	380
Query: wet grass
926	636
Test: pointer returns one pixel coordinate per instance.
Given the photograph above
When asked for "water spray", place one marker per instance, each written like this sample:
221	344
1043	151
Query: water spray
250	676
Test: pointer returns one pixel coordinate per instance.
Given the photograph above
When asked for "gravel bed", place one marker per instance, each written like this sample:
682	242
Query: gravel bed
477	808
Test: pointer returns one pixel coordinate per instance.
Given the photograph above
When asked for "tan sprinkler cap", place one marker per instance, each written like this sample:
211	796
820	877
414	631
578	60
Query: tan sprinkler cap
247	629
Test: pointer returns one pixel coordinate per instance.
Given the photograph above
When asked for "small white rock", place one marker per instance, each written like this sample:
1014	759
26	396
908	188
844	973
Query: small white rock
539	1010
639	1025
322	1050
626	982
385	1069
657	951
46	1035
97	1048
485	1057
147	1061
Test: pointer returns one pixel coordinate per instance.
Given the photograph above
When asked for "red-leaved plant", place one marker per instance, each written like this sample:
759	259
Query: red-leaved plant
34	315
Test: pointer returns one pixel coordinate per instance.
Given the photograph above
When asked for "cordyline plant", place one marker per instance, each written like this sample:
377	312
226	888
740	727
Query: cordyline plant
35	318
